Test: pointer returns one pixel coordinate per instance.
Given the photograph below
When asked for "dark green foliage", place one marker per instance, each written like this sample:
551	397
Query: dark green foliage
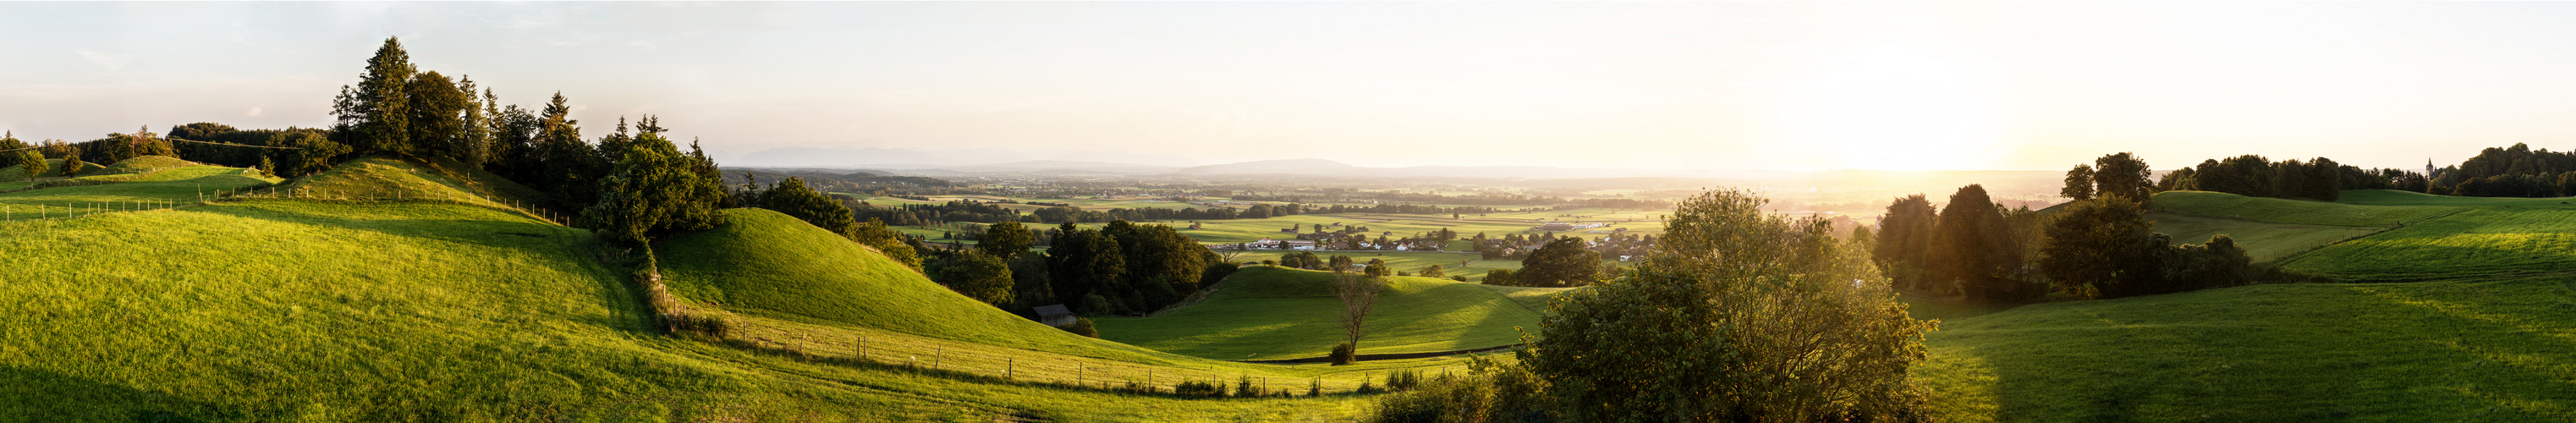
1199	389
792	198
652	192
1375	268
569	168
1083	326
313	153
375	116
1403	380
437	121
1301	260
1344	354
1563	262
74	166
1974	252
9	141
2124	174
1488	392
2105	248
1904	246
1005	239
1695	333
875	234
2079	184
1086	262
1501	277
975	275
1433	271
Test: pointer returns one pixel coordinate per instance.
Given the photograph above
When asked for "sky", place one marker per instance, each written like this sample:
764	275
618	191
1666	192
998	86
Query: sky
1685	86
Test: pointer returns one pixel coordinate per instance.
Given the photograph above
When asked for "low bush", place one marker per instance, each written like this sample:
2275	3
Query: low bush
1199	389
1489	392
1082	326
1344	354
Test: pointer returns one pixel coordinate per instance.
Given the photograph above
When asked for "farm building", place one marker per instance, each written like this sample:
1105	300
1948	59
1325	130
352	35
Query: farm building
1055	315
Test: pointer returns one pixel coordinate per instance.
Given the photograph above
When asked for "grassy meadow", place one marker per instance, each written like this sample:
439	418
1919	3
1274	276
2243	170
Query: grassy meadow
1269	312
2436	351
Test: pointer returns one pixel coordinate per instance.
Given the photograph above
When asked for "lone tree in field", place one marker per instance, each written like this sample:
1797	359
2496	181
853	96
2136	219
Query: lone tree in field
1737	315
1358	294
33	161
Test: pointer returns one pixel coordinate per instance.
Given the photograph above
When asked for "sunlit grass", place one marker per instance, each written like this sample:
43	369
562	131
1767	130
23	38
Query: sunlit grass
2433	351
1272	313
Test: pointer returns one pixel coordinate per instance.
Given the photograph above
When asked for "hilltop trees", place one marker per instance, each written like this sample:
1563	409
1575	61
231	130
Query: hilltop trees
1974	251
375	116
653	191
2124	174
2105	248
1904	243
1737	315
976	275
2079	184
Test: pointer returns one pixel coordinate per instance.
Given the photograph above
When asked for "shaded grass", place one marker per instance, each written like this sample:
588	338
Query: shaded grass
2262	241
1268	312
2437	351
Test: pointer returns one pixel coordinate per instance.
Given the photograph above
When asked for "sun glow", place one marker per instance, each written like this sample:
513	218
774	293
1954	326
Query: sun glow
1894	109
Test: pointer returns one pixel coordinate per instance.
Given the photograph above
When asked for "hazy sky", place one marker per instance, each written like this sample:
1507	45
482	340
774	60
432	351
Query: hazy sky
1645	85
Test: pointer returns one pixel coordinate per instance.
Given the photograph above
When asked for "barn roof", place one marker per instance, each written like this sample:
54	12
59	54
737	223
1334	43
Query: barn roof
1051	310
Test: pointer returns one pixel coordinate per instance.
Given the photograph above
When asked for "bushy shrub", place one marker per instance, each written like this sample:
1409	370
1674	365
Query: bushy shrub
1244	388
1489	392
1199	389
1082	326
1315	388
1344	354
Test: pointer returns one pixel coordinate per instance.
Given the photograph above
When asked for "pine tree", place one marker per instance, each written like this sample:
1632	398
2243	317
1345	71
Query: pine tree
375	116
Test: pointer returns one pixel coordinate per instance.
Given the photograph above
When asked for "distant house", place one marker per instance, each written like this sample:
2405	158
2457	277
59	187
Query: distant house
1055	315
1288	230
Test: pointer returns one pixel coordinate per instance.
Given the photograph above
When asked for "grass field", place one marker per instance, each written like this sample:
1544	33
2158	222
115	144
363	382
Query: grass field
2262	241
2381	197
280	309
2438	351
1271	313
2303	212
166	185
2482	241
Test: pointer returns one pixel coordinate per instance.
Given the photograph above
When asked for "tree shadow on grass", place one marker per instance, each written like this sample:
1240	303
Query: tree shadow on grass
44	395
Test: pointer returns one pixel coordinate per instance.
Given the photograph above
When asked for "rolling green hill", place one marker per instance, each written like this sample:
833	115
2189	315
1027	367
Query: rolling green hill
1267	312
2277	210
2478	242
2382	197
269	309
2435	351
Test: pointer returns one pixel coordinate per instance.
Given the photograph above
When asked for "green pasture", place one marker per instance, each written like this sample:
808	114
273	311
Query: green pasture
2279	210
168	188
2482	241
2262	241
2434	351
779	271
2382	197
1267	312
1405	261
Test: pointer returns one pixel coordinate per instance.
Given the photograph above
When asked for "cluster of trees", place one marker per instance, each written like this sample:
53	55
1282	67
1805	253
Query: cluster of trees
934	214
2105	248
1124	268
1738	315
2253	176
2099	246
2516	171
1971	246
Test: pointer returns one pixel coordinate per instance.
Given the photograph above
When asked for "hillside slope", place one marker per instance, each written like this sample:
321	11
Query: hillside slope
2435	351
297	310
1269	312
